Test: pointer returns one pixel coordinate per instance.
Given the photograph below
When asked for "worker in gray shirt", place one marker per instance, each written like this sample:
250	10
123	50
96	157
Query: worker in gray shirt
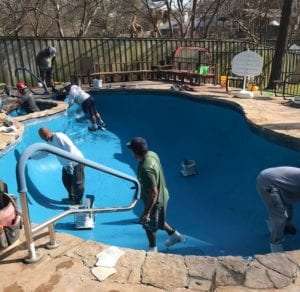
45	61
25	102
279	188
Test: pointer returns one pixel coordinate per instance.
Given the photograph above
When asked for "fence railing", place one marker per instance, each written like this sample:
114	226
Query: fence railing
81	55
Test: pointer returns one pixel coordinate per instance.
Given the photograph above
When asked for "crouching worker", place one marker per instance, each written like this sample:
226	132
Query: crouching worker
279	188
72	172
25	102
154	194
83	99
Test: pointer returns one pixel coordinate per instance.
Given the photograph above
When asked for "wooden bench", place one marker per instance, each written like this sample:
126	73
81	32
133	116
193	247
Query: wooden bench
122	76
190	76
211	76
158	70
117	72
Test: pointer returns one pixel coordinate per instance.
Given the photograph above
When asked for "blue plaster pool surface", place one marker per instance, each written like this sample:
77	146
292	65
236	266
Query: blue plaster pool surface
218	209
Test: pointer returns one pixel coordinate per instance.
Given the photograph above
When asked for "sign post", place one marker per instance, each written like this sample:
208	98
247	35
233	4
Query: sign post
247	64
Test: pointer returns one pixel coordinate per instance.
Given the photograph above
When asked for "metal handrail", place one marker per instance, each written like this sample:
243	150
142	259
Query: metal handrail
22	189
35	77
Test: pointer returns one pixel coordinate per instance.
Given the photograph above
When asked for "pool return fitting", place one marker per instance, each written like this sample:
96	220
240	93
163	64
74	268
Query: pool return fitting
22	189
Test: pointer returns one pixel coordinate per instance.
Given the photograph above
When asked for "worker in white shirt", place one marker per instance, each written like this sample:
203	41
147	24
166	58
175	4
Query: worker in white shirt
86	101
72	172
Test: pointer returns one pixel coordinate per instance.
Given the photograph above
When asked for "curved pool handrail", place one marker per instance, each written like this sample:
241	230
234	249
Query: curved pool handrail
22	189
35	77
28	152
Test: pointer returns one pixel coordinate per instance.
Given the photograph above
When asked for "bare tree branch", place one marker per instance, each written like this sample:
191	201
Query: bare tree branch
254	38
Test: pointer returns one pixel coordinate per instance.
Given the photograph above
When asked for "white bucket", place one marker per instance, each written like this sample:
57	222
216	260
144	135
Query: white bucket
97	83
188	167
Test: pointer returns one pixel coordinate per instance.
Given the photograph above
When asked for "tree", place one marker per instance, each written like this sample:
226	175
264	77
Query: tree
281	43
193	18
181	18
12	17
83	14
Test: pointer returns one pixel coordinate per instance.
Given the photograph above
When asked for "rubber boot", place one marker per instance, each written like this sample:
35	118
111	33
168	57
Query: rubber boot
276	247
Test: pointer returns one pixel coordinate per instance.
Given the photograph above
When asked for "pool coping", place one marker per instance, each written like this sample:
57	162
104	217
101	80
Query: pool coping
9	140
138	270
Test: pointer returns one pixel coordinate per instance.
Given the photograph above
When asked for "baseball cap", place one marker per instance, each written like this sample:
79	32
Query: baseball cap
138	144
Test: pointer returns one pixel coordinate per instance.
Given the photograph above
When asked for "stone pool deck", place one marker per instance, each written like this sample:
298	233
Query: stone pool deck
8	139
68	268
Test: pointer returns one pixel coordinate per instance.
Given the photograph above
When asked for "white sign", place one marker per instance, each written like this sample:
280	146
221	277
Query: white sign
247	64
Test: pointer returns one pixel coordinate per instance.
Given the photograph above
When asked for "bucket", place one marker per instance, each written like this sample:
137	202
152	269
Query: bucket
97	83
252	87
188	167
223	81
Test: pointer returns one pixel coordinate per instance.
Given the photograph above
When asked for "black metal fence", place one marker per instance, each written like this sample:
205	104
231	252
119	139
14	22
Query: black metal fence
82	55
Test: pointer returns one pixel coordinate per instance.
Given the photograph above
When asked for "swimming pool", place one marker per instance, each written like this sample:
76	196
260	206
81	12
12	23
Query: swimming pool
218	209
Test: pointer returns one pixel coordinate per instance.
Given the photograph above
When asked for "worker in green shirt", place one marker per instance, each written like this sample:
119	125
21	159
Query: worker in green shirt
154	194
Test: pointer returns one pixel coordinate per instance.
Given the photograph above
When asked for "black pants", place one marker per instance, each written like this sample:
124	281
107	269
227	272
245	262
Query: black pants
88	107
47	76
74	183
